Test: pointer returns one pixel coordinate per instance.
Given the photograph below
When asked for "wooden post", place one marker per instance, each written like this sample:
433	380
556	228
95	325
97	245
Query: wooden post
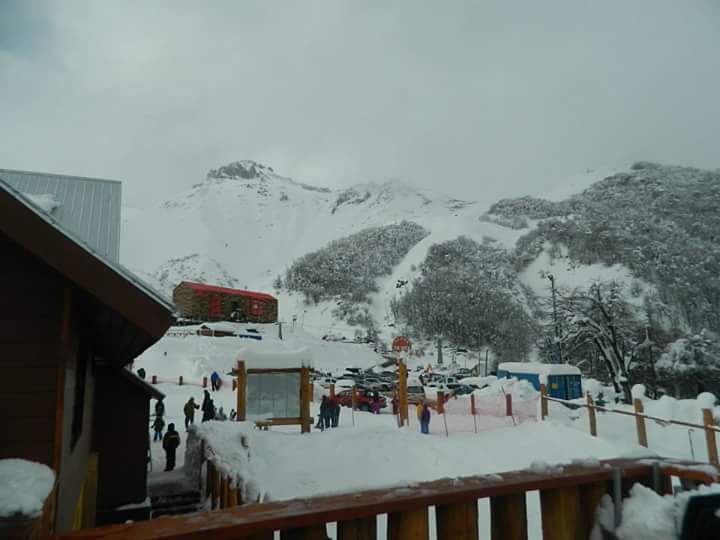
543	402
590	496
209	478
311	391
508	405
204	382
357	529
561	516
241	387
640	423
473	411
591	414
153	380
712	450
305	400
402	393
441	402
232	496
331	388
223	491
508	517
180	380
215	493
313	532
409	525
457	521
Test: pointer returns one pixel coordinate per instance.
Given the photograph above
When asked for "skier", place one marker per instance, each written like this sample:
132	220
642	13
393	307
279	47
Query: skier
170	443
215	381
159	408
189	409
158	425
425	420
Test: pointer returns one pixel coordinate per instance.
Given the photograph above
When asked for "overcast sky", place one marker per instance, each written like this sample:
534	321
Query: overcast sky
475	99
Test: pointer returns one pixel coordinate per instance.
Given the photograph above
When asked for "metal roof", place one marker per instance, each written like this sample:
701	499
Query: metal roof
235	292
115	266
88	207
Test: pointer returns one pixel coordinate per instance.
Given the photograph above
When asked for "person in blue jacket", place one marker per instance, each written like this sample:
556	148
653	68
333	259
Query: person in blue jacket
215	381
425	419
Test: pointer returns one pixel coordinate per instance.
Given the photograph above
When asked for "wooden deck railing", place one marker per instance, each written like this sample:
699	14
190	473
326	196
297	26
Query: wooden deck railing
568	500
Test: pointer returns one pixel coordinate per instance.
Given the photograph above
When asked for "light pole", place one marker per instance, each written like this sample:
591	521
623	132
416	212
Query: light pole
555	318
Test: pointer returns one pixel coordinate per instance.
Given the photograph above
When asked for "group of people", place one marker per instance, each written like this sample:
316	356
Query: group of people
329	413
209	412
171	439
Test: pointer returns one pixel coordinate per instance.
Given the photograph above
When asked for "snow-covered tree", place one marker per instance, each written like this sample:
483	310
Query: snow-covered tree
691	364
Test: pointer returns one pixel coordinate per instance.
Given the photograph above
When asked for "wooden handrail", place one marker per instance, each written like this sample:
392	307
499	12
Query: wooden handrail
412	500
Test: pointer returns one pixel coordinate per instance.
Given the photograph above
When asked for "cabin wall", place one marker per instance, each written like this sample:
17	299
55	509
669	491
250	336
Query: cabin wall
30	321
121	411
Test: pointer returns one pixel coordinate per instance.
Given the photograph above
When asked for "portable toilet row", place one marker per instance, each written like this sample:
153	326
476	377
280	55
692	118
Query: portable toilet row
563	381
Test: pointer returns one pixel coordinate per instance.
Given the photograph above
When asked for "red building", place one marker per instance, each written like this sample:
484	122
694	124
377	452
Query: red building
202	302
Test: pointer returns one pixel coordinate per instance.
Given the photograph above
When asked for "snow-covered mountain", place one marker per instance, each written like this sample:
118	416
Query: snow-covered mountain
245	224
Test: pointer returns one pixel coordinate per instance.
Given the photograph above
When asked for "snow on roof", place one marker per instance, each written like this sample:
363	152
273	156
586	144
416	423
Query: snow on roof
46	201
24	487
255	359
227	290
538	368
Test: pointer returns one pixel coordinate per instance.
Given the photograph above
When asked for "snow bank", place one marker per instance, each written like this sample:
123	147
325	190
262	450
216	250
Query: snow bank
255	358
647	515
24	487
45	201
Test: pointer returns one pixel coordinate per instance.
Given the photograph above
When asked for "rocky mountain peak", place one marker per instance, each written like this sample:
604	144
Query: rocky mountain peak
246	169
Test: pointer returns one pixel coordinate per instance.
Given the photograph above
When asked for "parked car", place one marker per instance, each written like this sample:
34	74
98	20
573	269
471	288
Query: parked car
365	398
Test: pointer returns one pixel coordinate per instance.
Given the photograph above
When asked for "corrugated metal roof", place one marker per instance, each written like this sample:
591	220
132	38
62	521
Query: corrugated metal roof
235	292
113	264
89	207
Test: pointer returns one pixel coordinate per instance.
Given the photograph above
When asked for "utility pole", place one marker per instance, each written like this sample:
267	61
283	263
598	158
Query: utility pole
555	319
487	351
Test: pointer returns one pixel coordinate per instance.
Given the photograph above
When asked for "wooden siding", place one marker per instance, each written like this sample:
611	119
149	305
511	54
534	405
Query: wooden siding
32	300
197	306
121	410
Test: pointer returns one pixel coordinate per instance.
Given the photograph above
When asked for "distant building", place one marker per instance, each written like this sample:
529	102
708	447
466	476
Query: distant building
72	319
201	302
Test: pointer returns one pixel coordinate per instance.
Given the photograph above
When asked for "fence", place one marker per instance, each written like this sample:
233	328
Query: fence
708	426
567	507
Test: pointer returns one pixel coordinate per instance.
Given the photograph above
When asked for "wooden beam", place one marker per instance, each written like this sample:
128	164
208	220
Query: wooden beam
357	529
591	414
409	525
640	423
457	521
241	389
590	497
561	515
508	517
305	400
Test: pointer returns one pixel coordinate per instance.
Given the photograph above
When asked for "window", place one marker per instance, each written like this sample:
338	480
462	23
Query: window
79	398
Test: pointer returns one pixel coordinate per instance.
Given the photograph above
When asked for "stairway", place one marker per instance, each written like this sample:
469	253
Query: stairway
185	502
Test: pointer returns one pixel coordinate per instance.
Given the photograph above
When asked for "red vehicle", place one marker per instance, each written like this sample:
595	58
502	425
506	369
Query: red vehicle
365	399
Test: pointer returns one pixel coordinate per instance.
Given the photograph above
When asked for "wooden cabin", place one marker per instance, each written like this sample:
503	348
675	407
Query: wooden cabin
200	302
71	320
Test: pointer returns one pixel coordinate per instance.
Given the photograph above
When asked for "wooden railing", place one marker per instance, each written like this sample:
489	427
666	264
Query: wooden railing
708	426
568	500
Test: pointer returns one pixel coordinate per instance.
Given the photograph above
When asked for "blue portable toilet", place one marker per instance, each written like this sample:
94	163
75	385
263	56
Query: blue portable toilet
563	380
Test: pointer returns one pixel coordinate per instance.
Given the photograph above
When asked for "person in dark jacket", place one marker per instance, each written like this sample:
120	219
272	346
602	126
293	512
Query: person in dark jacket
170	443
325	413
425	419
159	408
189	410
335	411
158	426
208	410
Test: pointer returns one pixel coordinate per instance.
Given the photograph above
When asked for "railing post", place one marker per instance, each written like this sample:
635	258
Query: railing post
313	532
543	402
508	405
508	517
712	450
473	411
409	525
180	380
204	382
224	492
561	516
215	492
590	497
457	521
357	529
209	478
591	414
640	423
154	379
